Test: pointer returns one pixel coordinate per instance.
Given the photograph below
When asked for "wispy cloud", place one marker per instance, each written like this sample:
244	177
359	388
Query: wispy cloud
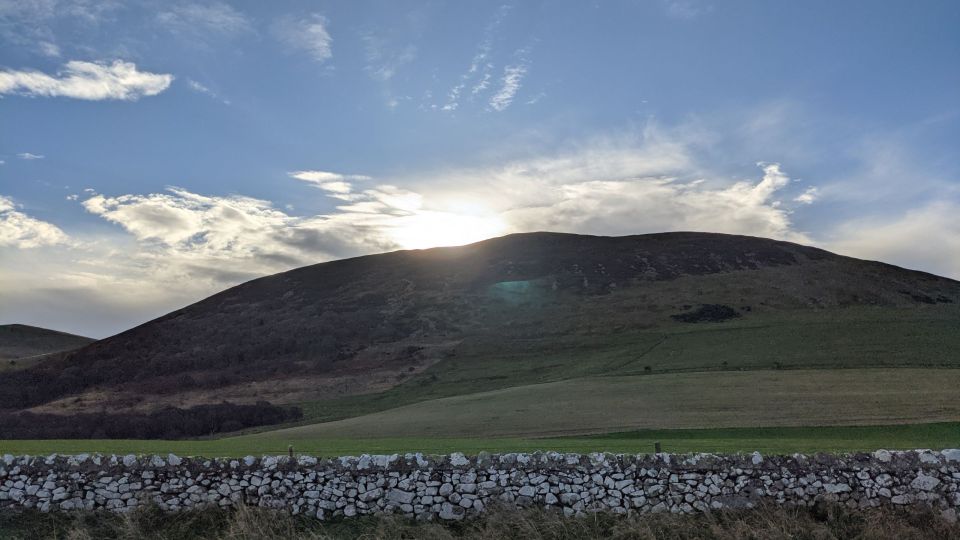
201	19
197	87
339	185
686	9
478	73
34	21
808	196
49	49
22	231
87	80
29	157
383	59
201	89
509	86
308	34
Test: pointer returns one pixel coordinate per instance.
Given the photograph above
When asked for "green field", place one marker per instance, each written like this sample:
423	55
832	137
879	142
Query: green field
674	400
859	337
760	378
767	440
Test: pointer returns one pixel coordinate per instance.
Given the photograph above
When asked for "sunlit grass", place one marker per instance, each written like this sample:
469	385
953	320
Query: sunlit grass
765	440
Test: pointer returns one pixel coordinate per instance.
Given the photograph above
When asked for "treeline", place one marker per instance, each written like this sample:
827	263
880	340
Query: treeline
168	423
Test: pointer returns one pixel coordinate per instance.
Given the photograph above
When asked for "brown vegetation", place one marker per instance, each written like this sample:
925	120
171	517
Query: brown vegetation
168	423
823	522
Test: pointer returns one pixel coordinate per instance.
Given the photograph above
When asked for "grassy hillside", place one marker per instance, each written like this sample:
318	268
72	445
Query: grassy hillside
540	335
22	345
504	312
856	337
675	400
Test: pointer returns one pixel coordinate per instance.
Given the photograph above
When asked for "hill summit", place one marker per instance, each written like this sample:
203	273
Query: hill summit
20	342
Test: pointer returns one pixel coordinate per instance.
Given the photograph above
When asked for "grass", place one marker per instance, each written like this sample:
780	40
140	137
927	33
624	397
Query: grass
767	398
520	355
520	394
766	440
823	522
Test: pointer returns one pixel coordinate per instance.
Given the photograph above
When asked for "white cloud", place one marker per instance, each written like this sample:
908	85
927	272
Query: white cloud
309	35
197	244
616	191
808	196
509	86
204	19
606	190
21	231
326	176
210	241
29	157
87	80
337	185
480	65
927	238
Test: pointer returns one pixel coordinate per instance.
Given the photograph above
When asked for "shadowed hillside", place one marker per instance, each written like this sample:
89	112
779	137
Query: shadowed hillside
20	342
524	308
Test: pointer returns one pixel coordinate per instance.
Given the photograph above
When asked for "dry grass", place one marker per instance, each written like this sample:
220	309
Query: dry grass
821	523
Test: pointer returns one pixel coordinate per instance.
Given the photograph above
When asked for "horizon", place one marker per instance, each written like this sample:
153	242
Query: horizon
213	293
156	153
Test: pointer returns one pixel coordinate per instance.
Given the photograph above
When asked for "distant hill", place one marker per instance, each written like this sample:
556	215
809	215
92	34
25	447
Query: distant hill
366	334
20	342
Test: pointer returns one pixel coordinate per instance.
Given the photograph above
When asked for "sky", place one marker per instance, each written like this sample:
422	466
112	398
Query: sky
155	152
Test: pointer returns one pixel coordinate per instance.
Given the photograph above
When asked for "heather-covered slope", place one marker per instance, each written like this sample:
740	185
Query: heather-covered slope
500	308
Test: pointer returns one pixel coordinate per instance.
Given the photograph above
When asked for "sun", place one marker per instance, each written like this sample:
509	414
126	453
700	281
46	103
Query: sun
427	229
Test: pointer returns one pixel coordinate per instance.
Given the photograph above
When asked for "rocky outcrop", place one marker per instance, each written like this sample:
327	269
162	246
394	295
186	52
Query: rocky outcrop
456	486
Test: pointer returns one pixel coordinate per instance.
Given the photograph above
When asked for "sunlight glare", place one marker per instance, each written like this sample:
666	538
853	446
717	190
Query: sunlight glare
426	229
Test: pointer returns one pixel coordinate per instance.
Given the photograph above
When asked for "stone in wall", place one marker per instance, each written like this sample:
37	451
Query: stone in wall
456	486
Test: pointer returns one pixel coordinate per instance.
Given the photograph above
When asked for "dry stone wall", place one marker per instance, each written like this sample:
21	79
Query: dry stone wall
455	486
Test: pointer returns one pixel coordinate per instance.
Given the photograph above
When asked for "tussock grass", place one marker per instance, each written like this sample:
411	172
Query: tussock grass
823	522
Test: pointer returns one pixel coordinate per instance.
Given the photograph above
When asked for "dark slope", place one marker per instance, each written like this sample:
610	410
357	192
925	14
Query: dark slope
20	341
389	314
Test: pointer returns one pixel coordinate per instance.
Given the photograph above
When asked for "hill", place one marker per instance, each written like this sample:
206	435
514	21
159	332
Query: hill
372	333
21	344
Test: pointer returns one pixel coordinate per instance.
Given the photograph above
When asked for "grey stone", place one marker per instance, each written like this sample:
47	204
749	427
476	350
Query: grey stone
924	482
400	497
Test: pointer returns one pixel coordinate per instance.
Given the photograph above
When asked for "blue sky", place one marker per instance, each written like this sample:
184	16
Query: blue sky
156	152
